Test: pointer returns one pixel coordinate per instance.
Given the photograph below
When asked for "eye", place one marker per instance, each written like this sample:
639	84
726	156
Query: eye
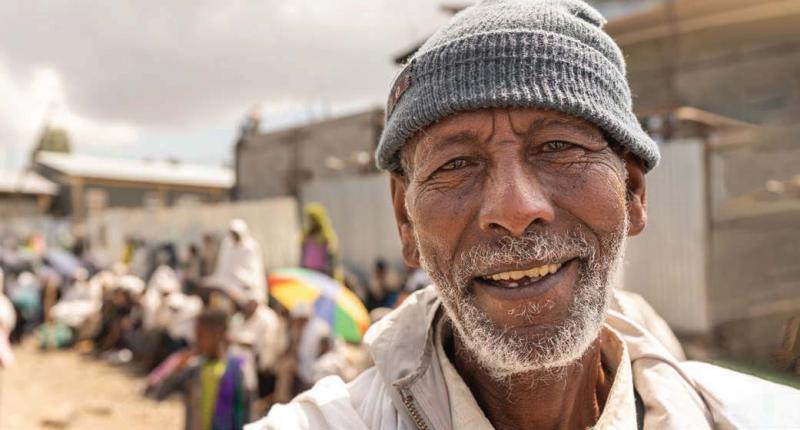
456	164
556	145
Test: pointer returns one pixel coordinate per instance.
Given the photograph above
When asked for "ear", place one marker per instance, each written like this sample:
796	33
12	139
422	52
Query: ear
404	226
636	195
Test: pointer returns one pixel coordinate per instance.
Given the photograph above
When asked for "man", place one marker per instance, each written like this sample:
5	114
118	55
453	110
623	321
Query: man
518	171
294	369
210	380
313	338
260	336
384	282
157	314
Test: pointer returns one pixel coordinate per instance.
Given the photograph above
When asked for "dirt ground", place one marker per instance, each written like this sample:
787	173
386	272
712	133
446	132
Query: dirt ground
65	390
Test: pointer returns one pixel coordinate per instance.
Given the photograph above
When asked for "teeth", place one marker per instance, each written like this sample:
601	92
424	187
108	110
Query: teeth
516	275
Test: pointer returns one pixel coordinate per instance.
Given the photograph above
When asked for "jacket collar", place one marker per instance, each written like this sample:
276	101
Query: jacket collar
402	346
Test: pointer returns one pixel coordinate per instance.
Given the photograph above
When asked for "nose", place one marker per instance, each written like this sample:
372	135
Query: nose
514	201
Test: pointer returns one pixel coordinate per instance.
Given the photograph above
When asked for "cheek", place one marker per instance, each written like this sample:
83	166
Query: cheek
593	193
441	218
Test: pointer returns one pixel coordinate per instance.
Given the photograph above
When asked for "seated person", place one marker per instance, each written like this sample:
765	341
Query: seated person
211	381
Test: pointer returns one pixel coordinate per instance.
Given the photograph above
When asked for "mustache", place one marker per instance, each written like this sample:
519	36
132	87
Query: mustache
482	258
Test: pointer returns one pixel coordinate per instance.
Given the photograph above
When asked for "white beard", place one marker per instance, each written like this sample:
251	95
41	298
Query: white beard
503	355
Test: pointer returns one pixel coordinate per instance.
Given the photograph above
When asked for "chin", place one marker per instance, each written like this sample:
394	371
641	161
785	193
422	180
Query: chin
505	345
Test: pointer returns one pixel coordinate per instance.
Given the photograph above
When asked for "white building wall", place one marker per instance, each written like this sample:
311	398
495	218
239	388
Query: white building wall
273	223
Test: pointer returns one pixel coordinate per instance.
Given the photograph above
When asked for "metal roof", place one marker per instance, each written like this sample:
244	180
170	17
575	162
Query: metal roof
134	170
25	182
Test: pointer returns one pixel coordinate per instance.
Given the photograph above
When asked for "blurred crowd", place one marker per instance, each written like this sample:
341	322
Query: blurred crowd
196	320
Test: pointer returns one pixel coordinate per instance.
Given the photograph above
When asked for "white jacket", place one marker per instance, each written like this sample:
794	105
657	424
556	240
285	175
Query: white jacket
406	389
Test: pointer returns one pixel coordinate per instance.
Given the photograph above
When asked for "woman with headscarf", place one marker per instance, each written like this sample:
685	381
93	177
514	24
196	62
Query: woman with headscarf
319	249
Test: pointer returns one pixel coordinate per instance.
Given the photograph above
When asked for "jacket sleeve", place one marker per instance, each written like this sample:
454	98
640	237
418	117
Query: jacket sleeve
742	401
636	308
177	382
326	406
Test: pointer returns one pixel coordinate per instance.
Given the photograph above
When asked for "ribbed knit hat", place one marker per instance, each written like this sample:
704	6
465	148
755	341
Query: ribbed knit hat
548	54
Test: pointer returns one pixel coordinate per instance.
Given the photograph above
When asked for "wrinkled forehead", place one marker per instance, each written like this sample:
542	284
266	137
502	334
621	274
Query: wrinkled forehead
480	126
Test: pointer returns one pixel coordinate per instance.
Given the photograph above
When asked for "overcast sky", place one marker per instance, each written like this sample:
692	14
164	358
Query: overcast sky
174	78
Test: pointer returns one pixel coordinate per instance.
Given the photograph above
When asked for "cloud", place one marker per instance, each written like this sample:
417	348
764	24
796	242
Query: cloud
126	65
125	71
27	102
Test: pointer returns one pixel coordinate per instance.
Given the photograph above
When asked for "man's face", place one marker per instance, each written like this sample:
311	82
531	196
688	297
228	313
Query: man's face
519	216
250	308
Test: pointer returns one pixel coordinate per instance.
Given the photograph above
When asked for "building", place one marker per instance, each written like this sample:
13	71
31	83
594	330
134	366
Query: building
717	84
89	183
736	58
279	163
724	205
609	8
24	193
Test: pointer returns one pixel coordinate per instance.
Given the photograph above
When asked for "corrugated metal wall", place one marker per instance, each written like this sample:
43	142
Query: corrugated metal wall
666	264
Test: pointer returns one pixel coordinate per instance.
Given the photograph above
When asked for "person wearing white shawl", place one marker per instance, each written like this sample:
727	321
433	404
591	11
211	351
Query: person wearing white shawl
240	267
8	319
261	337
80	304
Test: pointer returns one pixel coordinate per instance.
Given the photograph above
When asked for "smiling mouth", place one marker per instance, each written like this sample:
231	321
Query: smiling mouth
522	278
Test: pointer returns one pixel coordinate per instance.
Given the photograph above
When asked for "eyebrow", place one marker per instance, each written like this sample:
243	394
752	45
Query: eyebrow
469	136
463	136
460	137
573	124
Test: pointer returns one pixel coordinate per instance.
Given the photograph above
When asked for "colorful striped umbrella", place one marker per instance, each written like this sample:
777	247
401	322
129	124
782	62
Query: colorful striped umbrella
331	300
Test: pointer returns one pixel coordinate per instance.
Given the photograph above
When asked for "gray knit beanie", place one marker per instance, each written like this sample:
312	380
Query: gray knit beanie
549	54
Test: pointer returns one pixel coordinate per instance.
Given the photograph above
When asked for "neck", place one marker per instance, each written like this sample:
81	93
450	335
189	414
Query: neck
571	397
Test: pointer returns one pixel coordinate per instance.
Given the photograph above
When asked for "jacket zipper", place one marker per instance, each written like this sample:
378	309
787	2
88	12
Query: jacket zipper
412	410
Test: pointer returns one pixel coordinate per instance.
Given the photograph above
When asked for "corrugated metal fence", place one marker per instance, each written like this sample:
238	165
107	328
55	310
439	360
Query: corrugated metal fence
666	264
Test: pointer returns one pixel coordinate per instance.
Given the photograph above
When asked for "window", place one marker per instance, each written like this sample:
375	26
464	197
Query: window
152	199
96	199
188	200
